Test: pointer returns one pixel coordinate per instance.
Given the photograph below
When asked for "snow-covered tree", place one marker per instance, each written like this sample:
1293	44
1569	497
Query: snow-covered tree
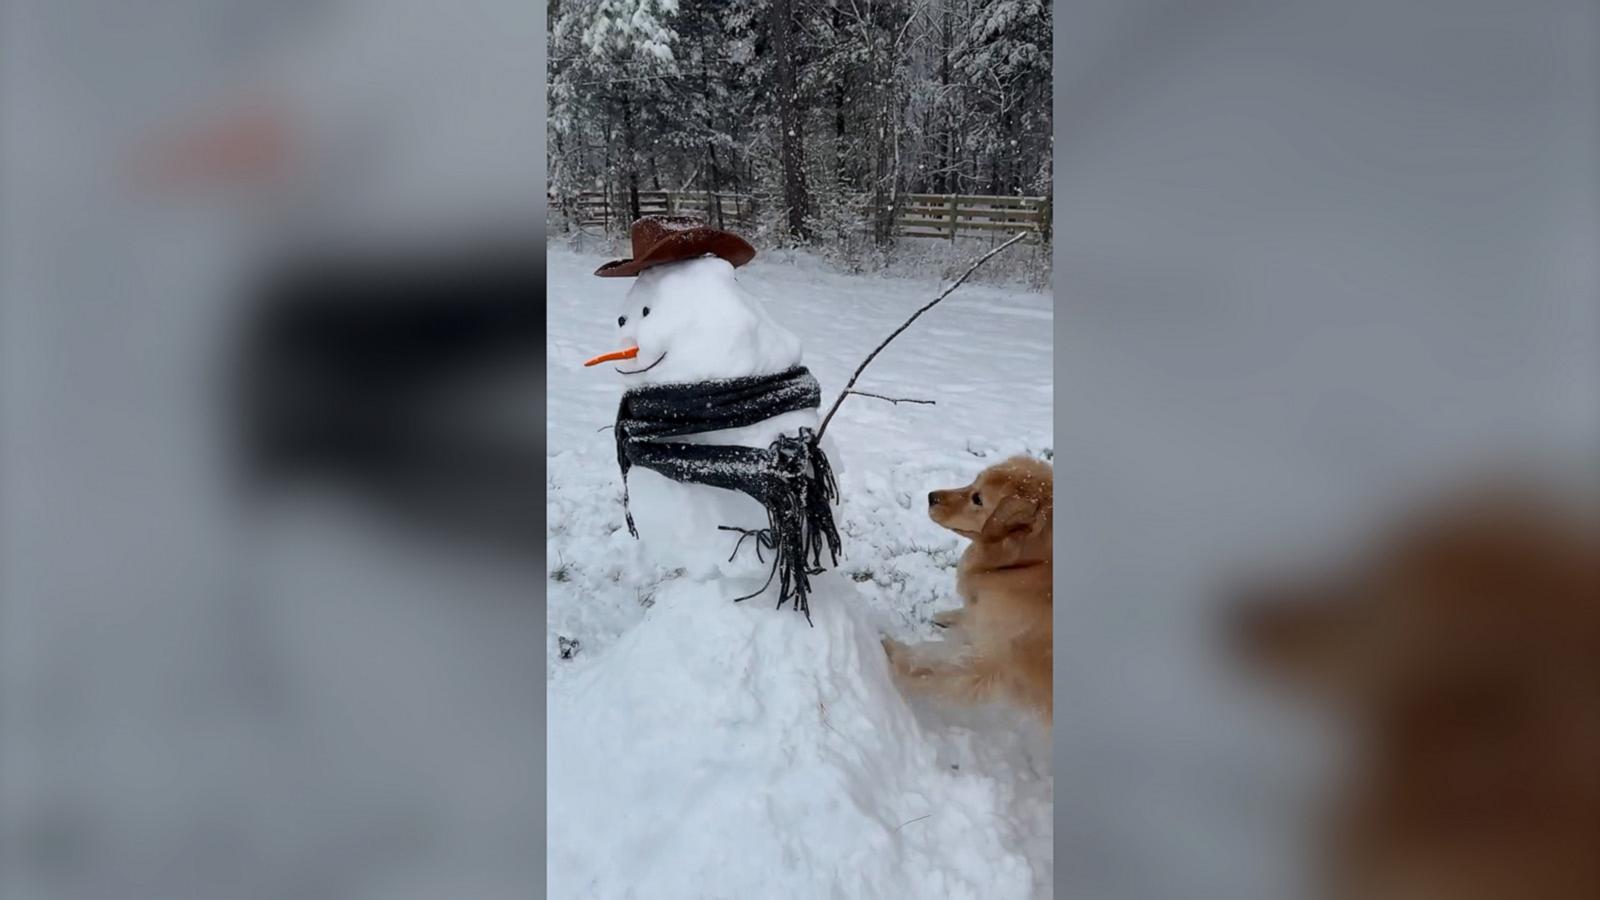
828	110
1007	74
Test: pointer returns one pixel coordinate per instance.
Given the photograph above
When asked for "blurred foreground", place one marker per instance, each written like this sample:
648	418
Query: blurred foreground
273	429
1459	654
1321	264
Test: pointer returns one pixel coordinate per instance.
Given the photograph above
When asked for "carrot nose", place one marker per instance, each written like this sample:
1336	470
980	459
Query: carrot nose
629	353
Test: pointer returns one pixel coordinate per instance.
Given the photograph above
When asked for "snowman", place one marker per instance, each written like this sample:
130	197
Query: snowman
722	476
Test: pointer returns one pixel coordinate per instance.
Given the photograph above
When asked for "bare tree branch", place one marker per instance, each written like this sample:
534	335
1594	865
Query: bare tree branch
895	400
692	176
849	385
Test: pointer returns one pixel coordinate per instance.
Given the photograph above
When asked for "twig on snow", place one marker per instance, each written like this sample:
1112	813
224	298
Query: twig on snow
907	324
917	819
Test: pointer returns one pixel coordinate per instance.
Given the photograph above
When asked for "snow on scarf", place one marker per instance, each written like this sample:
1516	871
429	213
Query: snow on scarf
791	478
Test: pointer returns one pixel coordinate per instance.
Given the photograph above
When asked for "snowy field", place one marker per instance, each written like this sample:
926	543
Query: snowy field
984	355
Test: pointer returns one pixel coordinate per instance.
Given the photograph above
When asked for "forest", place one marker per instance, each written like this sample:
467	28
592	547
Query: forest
827	113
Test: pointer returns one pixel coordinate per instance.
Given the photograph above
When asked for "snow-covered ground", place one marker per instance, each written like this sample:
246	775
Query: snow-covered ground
984	356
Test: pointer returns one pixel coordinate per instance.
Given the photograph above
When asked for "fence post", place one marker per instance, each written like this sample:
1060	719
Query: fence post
668	196
953	200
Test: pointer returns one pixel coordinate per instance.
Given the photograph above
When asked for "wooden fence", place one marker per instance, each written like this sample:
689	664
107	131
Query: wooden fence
592	208
945	216
951	215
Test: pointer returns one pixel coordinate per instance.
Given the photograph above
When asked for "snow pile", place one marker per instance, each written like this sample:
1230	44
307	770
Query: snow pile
702	748
727	750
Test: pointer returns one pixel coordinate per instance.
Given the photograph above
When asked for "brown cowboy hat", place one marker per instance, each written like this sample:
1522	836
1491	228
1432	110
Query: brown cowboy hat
664	239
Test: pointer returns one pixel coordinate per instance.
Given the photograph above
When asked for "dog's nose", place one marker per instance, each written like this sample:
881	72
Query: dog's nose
933	498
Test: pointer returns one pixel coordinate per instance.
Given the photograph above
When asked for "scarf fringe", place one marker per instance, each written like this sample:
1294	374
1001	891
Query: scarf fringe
799	520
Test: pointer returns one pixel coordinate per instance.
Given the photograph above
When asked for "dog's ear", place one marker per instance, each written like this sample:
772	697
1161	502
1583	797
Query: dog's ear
1011	518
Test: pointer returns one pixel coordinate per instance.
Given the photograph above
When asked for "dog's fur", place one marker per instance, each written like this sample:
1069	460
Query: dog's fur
1000	645
1464	657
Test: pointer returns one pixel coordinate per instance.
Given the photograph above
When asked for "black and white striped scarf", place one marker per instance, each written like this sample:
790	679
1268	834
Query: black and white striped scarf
791	478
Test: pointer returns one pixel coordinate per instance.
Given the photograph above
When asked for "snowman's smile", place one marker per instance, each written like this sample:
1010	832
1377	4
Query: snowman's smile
646	368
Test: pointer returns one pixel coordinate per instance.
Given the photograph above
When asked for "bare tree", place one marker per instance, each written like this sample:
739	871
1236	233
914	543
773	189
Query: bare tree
791	137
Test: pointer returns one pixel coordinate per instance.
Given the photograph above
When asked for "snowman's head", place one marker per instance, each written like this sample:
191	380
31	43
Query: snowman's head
691	321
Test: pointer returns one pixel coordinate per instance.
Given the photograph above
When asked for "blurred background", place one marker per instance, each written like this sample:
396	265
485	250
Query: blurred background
271	379
1316	263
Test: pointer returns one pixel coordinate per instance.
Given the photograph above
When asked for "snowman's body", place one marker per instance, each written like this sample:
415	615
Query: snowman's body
680	524
700	326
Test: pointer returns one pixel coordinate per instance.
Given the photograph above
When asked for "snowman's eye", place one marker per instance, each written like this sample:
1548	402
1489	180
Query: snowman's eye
621	321
646	311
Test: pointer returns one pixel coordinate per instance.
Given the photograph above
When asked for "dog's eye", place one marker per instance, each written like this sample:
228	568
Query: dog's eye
646	311
977	499
621	321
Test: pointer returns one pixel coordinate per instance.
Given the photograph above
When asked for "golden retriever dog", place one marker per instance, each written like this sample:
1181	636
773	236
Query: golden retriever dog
1462	653
1000	646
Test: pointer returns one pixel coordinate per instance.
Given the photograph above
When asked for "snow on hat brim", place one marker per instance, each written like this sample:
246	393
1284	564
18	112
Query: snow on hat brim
664	239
